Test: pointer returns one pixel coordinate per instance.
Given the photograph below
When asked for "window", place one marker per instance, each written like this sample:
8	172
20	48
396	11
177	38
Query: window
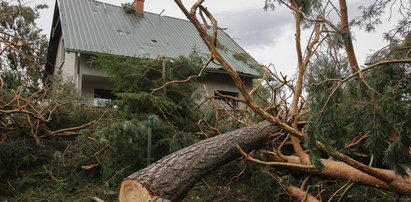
225	102
103	98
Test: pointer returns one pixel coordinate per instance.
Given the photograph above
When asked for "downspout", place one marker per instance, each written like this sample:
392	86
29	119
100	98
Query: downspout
78	76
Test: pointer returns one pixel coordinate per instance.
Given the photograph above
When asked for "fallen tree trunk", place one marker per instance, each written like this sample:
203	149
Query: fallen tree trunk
170	178
173	176
340	170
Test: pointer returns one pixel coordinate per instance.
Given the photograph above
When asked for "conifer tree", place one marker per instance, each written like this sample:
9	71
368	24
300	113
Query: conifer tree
136	78
23	45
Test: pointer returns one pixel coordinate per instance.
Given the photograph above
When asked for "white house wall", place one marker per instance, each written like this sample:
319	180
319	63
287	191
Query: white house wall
88	69
221	82
65	66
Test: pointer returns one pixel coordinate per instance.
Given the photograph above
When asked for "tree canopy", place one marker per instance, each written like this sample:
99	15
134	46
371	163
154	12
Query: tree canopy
23	45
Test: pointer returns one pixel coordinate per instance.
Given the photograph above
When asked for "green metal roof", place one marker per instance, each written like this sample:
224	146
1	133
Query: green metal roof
95	27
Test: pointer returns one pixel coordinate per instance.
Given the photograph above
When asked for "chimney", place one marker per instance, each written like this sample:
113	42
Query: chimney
138	6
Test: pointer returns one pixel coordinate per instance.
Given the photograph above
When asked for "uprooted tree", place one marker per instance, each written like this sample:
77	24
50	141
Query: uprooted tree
344	121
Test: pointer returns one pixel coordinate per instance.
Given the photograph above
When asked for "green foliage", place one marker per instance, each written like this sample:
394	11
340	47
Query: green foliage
126	144
164	113
242	57
236	181
21	33
377	105
53	170
127	8
371	14
326	126
59	165
309	7
134	79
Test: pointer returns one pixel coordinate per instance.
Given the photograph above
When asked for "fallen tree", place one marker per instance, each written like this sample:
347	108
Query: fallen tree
358	118
174	175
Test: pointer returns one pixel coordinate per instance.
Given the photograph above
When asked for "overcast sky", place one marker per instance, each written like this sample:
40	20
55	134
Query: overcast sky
267	35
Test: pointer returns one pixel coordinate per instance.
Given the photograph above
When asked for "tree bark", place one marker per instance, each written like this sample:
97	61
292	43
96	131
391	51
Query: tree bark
347	36
173	176
340	170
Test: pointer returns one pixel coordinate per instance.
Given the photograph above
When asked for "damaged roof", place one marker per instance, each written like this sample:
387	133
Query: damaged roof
90	26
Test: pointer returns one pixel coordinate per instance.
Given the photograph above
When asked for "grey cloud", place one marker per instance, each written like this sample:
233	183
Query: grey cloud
254	27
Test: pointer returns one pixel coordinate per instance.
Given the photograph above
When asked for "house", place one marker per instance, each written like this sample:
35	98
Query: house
83	28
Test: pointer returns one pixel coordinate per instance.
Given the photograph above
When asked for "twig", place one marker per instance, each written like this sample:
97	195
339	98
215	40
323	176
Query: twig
349	187
229	184
302	187
357	142
293	165
336	192
186	80
96	199
118	172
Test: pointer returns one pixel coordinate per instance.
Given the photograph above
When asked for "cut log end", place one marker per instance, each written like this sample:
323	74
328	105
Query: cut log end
133	191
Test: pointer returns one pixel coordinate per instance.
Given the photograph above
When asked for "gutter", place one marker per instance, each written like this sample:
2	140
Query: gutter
222	71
